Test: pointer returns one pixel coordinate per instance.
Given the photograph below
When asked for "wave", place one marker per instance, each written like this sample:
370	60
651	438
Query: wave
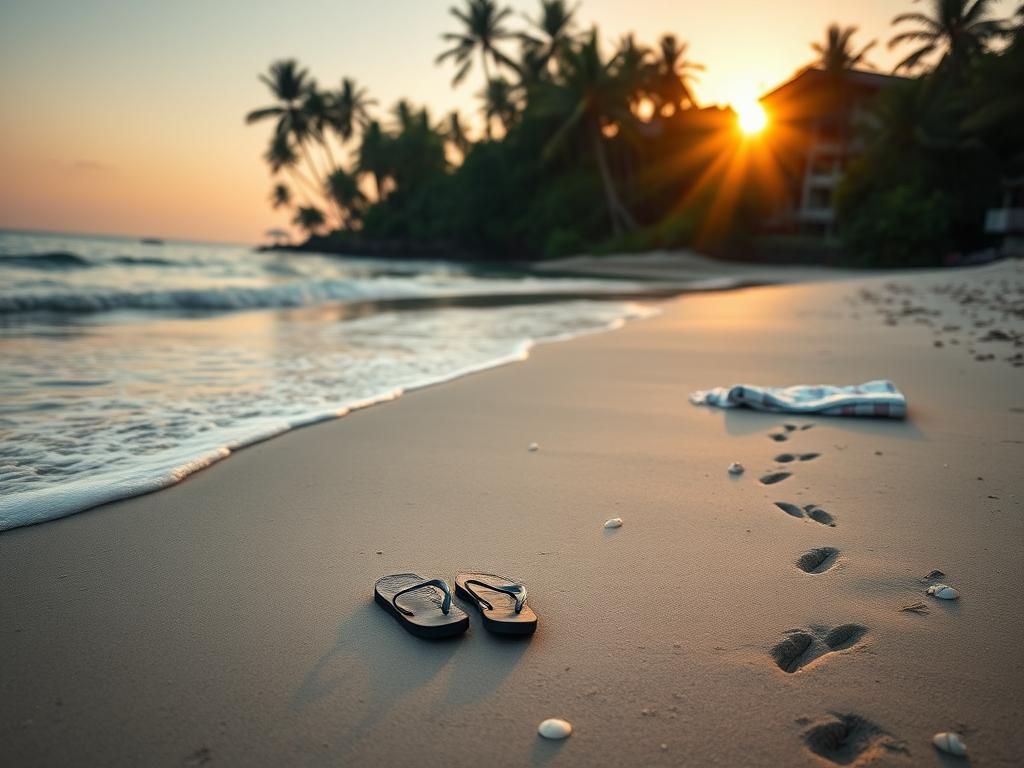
47	478
147	261
46	260
288	295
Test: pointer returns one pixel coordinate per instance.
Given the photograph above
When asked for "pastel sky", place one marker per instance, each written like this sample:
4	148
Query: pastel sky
126	116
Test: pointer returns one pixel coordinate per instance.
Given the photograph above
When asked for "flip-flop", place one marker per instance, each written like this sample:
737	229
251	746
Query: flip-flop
422	606
501	602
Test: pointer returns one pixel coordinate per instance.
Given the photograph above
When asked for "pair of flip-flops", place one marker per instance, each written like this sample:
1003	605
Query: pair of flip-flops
425	608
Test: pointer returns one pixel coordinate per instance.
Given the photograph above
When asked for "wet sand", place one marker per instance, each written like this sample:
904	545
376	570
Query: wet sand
229	620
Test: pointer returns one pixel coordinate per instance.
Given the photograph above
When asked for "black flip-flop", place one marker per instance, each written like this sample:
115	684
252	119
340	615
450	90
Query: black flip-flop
426	607
501	602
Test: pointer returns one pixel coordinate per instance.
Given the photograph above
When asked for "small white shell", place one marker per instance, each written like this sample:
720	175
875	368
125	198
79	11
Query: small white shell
950	742
943	591
533	447
735	468
554	728
615	522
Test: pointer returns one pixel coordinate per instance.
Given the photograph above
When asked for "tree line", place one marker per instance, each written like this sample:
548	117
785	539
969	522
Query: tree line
588	147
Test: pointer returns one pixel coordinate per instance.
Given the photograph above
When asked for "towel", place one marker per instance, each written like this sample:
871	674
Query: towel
873	398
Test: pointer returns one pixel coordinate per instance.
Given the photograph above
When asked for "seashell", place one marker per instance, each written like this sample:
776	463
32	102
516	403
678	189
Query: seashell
735	468
554	728
950	742
943	591
533	447
615	522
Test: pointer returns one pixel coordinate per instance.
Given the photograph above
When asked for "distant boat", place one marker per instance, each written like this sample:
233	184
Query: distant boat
151	241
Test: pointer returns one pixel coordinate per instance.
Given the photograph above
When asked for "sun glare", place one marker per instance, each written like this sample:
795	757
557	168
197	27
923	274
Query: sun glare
751	117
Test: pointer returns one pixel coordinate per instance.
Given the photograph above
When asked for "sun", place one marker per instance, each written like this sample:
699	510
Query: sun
751	117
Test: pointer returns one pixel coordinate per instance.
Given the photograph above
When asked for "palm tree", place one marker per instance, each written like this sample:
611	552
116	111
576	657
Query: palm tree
500	103
958	28
455	132
592	95
290	86
319	109
552	30
351	107
482	30
343	189
373	156
280	196
280	155
309	218
403	114
674	71
836	55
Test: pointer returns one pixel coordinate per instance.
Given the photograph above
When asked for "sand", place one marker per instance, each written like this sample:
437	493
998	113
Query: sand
229	620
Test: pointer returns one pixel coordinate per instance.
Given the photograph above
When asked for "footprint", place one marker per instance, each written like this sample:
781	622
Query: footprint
810	511
785	458
791	650
779	437
817	560
800	647
775	477
790	509
847	739
819	515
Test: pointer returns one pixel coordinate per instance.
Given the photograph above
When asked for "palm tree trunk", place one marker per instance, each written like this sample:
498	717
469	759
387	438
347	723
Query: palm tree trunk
325	195
487	84
317	179
307	186
621	218
326	142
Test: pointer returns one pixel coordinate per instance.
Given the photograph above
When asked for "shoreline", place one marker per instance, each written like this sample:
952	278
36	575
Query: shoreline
229	618
168	477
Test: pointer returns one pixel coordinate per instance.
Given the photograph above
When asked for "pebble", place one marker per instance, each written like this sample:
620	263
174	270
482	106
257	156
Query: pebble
943	592
950	743
554	728
532	447
615	522
735	468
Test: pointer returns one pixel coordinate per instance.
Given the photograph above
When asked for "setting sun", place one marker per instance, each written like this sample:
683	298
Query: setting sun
751	117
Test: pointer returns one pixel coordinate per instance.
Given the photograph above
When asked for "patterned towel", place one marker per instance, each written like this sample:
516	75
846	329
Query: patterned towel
874	398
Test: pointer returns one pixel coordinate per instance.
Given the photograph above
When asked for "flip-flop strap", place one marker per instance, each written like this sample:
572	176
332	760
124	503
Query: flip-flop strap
516	591
439	583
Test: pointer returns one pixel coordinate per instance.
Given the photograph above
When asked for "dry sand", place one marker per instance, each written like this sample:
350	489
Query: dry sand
229	620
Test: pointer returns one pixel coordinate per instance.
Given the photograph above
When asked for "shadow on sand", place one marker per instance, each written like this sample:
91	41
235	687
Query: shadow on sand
743	421
376	662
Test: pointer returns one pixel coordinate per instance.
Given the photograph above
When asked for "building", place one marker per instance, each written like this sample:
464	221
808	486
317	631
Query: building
1007	222
813	119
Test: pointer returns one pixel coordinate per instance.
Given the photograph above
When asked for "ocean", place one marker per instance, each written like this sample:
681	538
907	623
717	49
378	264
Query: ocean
126	366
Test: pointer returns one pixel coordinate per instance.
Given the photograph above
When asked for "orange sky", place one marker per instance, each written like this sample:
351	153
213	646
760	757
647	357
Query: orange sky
126	116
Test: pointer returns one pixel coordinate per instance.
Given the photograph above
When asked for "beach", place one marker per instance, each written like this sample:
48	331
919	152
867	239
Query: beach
229	620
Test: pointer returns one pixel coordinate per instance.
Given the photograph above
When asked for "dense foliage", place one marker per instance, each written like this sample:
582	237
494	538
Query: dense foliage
587	148
938	147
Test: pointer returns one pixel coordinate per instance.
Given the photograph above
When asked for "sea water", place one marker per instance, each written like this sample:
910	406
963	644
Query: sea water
125	366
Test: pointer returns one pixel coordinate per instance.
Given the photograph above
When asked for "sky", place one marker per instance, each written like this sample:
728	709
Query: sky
127	116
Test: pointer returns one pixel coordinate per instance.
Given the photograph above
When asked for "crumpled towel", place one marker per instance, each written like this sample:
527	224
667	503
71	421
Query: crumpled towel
873	398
